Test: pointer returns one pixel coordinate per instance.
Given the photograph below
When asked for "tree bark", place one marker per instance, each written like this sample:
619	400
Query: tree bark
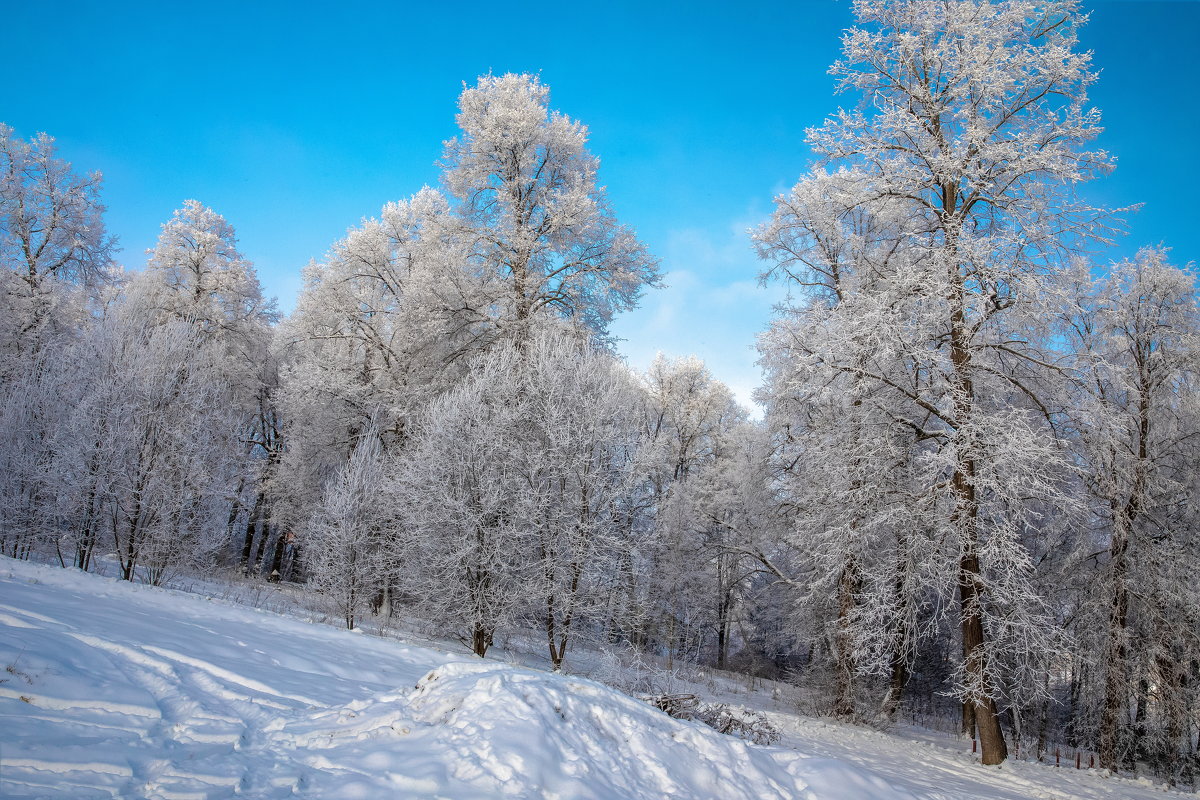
265	533
896	683
481	639
849	586
993	749
966	520
251	528
723	622
275	574
1116	678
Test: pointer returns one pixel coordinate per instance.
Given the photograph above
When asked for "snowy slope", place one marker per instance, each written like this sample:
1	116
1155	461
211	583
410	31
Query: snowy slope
118	690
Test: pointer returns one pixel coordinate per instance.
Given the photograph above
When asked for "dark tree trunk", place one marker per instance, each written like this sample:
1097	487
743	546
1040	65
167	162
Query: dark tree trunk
235	508
993	749
966	520
1116	679
251	527
723	623
849	586
896	684
481	639
263	535
276	571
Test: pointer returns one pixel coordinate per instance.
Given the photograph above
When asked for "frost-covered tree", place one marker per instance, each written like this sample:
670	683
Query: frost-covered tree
969	137
54	258
689	413
464	538
343	538
839	441
32	408
388	319
542	235
202	278
1136	335
728	507
53	245
515	490
197	275
689	419
854	515
580	465
399	308
151	457
384	324
150	452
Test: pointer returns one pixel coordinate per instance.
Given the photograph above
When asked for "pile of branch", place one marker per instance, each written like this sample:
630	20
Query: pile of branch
752	726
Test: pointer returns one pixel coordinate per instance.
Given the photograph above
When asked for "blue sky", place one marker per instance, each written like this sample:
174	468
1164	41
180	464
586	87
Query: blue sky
295	120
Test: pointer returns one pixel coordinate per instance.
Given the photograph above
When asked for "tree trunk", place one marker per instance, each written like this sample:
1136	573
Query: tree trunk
724	606
251	527
129	559
966	521
558	633
235	508
481	639
87	534
264	534
275	574
849	586
1116	678
724	602
556	654
896	683
993	749
899	660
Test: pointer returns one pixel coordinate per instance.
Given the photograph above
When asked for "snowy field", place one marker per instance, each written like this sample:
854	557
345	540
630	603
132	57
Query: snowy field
119	690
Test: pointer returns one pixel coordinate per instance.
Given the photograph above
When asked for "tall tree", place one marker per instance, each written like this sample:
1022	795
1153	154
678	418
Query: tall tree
385	323
973	121
203	279
196	275
55	257
52	237
1136	334
403	304
689	418
345	556
514	489
543	236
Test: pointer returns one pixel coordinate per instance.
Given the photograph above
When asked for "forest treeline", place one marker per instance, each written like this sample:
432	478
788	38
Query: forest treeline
973	491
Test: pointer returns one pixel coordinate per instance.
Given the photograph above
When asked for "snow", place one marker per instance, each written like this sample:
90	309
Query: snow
120	690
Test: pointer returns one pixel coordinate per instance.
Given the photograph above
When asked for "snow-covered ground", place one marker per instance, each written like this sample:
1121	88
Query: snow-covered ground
119	690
